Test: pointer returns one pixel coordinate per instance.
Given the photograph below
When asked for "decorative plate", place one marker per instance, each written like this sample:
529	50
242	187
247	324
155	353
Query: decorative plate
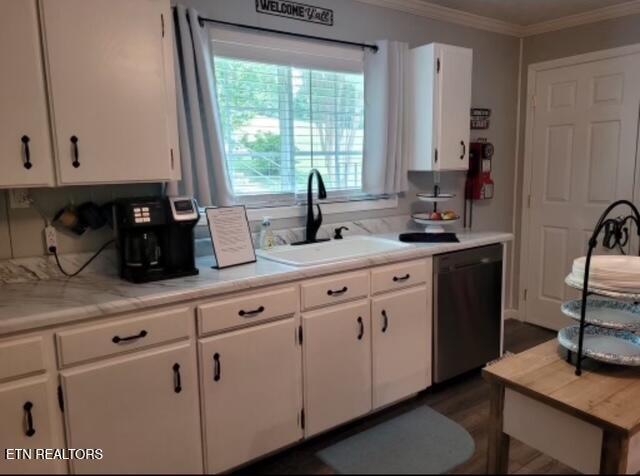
595	288
430	197
606	345
423	220
613	272
606	313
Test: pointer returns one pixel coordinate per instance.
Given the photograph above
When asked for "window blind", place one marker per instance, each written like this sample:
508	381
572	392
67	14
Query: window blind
280	120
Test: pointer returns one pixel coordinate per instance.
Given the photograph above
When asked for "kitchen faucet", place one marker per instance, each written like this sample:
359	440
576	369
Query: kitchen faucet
313	222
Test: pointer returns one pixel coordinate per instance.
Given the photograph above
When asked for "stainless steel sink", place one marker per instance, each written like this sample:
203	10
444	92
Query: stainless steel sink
331	251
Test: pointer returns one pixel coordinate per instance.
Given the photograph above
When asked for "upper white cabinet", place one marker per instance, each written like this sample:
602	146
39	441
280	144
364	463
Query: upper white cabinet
25	143
112	90
440	107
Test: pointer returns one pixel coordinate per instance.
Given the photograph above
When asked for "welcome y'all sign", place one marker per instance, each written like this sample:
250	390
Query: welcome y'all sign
296	11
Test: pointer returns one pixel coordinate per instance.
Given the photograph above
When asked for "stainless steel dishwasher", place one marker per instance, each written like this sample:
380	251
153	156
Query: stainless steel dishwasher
467	310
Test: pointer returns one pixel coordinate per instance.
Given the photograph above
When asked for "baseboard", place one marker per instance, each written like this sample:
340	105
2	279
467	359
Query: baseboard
511	314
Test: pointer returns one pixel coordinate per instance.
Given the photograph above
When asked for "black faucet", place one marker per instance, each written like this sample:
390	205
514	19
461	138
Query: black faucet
313	222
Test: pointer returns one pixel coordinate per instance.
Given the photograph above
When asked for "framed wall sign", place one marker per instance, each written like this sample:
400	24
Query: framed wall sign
230	236
295	11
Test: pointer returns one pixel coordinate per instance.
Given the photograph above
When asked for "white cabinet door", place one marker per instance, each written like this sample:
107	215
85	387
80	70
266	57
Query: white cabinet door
26	412
25	143
401	327
110	84
140	409
453	107
251	384
337	365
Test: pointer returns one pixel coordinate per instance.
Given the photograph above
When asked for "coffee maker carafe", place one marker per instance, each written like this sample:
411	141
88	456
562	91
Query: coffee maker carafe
155	237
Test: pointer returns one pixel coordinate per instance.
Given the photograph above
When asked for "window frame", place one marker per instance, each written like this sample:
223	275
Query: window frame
258	47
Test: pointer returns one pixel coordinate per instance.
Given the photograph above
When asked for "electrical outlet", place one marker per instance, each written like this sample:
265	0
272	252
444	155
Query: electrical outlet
51	238
19	198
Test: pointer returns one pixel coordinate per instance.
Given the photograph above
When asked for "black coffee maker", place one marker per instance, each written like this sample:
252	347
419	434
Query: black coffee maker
155	237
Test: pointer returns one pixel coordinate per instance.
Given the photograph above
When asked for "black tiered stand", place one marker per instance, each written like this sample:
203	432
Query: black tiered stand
616	235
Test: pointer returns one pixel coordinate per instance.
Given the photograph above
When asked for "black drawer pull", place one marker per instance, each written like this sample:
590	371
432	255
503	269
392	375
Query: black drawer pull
361	326
177	380
118	339
401	278
217	368
76	152
385	320
464	149
30	431
337	292
27	153
255	312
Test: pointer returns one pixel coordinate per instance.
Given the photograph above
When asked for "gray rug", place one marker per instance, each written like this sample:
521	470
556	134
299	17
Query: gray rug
421	441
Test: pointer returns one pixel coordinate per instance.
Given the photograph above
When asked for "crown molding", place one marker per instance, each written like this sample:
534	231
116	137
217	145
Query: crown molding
437	12
593	16
451	15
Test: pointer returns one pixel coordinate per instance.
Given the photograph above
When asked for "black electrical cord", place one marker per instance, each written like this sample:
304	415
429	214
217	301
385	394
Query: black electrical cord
54	250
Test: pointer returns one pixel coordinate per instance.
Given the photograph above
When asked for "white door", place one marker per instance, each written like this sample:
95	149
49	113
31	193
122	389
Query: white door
26	408
337	365
252	393
583	155
401	327
453	99
141	409
25	144
110	93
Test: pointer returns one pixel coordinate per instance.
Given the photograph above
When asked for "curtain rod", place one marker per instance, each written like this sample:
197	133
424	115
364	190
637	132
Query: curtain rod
202	20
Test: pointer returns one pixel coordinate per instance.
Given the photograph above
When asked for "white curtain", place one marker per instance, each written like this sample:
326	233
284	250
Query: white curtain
386	74
204	169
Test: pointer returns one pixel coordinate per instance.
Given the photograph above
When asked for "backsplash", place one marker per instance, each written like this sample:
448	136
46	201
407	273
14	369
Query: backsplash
21	270
21	230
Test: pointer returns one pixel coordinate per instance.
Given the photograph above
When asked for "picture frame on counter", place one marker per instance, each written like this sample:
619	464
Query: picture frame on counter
230	236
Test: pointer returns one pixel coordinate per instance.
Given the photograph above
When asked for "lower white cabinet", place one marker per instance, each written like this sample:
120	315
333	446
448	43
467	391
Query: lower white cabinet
401	323
251	384
337	365
26	412
141	409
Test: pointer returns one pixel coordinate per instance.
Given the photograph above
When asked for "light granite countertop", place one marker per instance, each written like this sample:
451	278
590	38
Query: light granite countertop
53	302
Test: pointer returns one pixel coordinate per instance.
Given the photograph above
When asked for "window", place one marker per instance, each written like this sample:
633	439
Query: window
288	106
279	122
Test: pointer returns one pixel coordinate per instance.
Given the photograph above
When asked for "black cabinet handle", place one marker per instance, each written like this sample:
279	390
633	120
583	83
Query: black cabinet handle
401	278
76	153
253	313
177	380
385	321
118	339
27	153
30	431
337	292
464	149
217	368
361	325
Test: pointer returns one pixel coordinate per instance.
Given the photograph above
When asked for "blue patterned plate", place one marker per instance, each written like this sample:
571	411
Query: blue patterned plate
606	313
605	345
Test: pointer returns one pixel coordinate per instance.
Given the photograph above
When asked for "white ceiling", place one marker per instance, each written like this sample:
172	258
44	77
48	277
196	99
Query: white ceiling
526	12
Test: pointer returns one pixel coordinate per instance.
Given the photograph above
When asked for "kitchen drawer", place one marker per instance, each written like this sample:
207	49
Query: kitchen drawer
247	309
397	276
21	357
334	289
134	332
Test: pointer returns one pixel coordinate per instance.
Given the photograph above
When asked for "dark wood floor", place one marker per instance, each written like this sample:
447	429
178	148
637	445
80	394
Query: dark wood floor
464	400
